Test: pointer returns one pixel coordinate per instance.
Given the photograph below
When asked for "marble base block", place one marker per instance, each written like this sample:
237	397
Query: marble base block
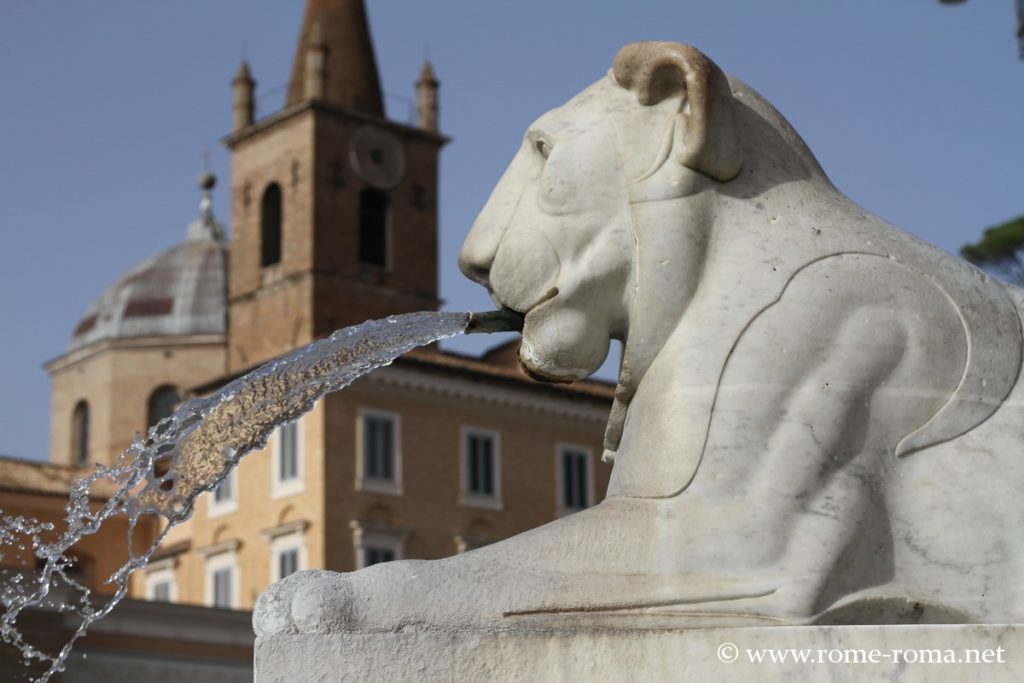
926	654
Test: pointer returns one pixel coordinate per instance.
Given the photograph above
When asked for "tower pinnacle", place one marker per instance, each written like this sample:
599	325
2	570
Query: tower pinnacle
426	98
243	87
335	38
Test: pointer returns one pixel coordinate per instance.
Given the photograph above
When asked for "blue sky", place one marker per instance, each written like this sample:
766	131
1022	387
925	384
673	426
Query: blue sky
913	108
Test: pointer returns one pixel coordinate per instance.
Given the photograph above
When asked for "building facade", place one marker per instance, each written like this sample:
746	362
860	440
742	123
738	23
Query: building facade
334	221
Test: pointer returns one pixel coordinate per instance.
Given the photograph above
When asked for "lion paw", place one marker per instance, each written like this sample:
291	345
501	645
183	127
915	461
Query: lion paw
312	601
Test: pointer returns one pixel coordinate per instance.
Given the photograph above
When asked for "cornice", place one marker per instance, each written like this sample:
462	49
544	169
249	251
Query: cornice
125	343
519	399
232	140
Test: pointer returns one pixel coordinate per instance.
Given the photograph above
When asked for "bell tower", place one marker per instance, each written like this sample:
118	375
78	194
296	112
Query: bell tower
334	207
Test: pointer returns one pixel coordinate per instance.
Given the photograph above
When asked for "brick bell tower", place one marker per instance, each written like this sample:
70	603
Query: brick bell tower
334	207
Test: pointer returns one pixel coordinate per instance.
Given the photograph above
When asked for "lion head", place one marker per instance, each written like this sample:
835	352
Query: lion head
557	239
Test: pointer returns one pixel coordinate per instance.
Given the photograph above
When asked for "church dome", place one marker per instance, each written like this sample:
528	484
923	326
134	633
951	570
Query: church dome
181	291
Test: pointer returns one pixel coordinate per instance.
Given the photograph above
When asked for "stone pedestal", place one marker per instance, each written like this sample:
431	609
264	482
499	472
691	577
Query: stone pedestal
854	654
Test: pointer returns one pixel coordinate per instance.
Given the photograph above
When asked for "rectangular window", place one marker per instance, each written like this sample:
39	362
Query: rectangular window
224	498
287	550
222	574
575	478
288	461
287	563
373	555
378	447
224	492
286	474
378	543
222	587
162	592
480	464
160	579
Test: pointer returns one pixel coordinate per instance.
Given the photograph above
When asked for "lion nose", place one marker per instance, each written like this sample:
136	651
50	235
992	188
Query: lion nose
475	266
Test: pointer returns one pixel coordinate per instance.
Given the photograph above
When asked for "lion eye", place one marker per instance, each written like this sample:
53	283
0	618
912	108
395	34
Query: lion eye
544	147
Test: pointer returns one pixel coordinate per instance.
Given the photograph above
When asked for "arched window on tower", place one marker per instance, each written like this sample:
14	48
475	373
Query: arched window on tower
373	227
162	403
80	434
270	226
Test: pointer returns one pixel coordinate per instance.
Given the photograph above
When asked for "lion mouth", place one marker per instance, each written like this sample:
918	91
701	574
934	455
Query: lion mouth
550	294
535	373
532	366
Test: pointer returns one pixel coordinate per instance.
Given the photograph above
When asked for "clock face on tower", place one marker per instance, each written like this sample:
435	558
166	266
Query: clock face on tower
377	156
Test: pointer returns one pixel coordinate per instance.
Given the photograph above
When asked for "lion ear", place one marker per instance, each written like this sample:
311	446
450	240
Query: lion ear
655	71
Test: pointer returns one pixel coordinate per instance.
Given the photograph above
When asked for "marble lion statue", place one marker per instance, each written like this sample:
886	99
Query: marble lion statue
818	416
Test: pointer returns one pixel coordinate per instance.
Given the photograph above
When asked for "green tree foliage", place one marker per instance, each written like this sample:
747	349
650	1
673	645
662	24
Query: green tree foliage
1000	251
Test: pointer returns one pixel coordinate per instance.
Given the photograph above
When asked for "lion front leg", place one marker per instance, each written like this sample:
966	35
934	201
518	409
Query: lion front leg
792	461
812	402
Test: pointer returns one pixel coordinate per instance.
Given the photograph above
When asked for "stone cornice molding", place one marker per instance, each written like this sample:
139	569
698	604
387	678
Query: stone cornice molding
299	526
526	400
372	526
119	343
229	546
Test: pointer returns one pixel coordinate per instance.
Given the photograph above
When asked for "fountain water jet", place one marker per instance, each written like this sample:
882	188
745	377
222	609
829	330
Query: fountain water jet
194	449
